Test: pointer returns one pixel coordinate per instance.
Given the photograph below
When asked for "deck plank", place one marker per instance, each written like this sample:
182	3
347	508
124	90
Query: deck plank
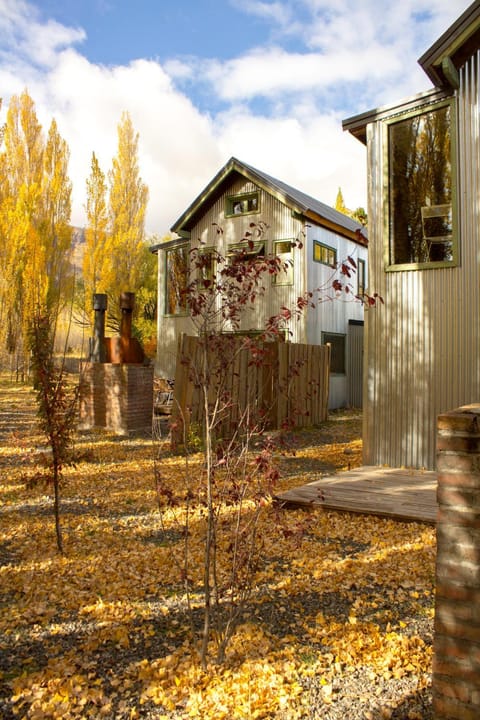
386	492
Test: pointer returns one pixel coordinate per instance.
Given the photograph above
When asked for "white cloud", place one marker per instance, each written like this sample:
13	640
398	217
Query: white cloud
280	13
273	71
27	37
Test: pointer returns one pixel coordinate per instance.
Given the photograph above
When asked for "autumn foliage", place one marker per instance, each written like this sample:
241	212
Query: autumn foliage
104	630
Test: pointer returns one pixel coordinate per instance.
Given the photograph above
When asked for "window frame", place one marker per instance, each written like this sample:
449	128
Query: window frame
232	200
252	250
361	277
179	310
284	277
208	272
326	340
389	264
329	249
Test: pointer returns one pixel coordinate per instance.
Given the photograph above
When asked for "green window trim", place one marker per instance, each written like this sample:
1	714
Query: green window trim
208	258
243	204
324	254
361	277
246	251
176	279
420	196
283	249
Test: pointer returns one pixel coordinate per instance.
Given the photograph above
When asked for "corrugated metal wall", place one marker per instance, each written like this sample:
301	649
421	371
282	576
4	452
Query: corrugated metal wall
422	352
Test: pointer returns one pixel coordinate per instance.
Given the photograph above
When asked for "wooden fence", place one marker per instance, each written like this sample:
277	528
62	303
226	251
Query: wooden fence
285	383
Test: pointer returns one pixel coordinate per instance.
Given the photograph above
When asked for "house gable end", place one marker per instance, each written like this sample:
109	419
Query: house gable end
301	205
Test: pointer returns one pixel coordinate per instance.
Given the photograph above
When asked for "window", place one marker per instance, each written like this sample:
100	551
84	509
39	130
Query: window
244	251
176	278
283	249
421	191
242	204
206	262
361	277
337	352
324	254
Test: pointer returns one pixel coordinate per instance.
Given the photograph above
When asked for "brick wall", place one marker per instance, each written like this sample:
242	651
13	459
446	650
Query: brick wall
456	664
118	397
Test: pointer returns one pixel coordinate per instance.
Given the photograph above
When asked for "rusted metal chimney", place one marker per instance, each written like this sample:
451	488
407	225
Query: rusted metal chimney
125	348
127	303
98	351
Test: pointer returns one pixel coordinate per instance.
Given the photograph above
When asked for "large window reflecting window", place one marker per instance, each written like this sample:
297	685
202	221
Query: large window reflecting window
176	277
421	189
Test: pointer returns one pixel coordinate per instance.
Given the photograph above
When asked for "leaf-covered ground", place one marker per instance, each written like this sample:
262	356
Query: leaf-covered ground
340	625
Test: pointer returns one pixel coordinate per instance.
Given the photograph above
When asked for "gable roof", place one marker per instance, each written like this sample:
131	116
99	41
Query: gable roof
300	203
441	63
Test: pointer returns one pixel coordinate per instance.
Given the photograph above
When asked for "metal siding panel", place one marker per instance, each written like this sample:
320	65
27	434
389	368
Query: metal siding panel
422	346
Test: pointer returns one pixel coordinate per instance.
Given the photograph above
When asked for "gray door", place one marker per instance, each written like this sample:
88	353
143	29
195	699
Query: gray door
354	364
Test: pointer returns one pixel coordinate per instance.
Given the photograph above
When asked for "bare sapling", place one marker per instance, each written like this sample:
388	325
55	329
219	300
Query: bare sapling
228	491
56	409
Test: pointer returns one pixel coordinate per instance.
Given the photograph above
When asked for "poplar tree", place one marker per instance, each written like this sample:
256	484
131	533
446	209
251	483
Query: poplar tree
22	162
55	228
340	203
95	233
35	206
122	269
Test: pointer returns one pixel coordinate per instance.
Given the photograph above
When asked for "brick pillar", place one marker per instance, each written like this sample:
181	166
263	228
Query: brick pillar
117	396
456	663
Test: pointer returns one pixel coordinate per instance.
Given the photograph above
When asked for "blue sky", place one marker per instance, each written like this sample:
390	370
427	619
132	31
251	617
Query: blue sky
268	81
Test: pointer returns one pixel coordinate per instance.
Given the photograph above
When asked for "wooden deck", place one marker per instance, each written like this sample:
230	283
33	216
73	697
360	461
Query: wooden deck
387	492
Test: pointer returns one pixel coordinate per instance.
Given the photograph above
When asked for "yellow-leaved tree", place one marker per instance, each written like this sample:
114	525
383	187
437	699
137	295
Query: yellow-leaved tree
55	228
117	256
125	245
35	208
95	234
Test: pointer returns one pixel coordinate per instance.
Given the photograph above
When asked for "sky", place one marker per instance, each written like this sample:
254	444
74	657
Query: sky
266	81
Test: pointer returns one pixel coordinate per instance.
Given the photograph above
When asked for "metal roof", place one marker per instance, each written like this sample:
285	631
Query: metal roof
298	201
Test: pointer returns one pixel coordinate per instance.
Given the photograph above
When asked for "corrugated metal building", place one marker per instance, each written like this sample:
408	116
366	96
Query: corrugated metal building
422	347
219	219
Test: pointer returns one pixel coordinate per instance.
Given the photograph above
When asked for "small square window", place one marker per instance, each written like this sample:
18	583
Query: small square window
283	249
242	204
324	254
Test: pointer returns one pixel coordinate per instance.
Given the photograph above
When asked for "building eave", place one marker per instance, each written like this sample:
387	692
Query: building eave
357	125
453	48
